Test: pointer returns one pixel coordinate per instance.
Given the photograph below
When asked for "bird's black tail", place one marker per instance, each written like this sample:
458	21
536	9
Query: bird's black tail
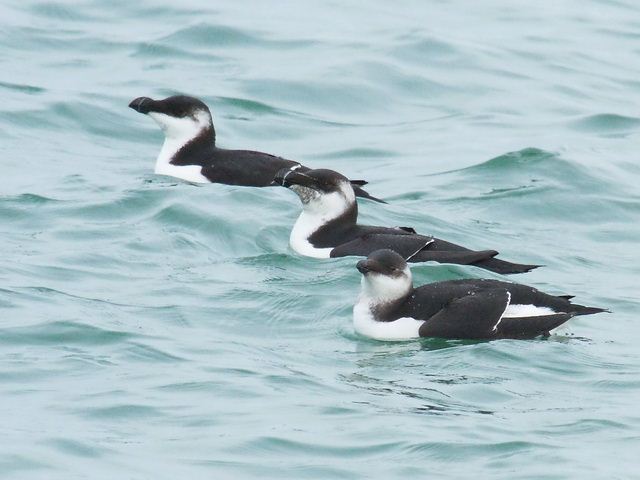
504	267
584	310
362	193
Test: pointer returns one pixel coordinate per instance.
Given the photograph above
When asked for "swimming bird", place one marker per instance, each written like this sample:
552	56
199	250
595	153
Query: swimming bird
328	227
390	308
189	151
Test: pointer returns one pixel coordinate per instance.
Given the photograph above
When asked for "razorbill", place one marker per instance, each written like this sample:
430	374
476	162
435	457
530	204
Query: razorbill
389	308
327	227
189	151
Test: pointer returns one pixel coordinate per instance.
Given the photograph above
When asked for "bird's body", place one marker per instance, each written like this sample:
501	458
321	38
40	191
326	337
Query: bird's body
389	308
189	151
328	227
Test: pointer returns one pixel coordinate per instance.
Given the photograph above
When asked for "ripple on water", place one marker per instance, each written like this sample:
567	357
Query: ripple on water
62	332
285	446
208	36
607	124
23	88
77	449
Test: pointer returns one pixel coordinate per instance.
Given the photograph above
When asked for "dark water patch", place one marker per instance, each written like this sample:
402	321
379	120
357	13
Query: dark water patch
535	188
62	333
394	387
527	158
28	199
252	106
139	13
23	88
574	91
206	35
32	39
269	240
607	124
209	228
333	98
514	191
46	295
447	451
187	216
586	426
240	469
156	51
141	352
339	411
619	32
194	386
414	47
60	12
123	413
617	385
68	116
23	374
362	152
28	209
394	78
87	117
293	381
534	181
283	446
77	276
76	448
129	205
14	463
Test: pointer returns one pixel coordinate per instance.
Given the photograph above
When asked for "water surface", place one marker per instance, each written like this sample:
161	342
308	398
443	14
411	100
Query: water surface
155	329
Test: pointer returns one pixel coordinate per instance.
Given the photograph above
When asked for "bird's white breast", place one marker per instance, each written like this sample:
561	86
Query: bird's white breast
177	133
318	210
304	227
365	324
190	173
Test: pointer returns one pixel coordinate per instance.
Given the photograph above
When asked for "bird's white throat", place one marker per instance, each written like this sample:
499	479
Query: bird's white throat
378	289
317	210
177	133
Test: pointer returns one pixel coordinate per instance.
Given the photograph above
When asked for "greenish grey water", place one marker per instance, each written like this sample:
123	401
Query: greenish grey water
155	329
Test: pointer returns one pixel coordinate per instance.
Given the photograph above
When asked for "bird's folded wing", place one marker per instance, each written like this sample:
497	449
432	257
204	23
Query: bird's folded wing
473	316
416	246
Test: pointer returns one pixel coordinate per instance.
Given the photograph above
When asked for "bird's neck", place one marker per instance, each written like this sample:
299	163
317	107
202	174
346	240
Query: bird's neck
325	228
383	297
185	148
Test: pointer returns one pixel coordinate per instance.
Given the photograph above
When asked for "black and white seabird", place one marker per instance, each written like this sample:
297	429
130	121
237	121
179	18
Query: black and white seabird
189	151
389	308
327	227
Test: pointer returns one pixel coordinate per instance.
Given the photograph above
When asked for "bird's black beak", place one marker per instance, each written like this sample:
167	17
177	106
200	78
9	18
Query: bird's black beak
142	104
363	267
287	177
369	265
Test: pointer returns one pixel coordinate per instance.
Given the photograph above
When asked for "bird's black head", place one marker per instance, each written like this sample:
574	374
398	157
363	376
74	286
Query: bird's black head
384	262
322	191
180	117
385	277
321	180
177	106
